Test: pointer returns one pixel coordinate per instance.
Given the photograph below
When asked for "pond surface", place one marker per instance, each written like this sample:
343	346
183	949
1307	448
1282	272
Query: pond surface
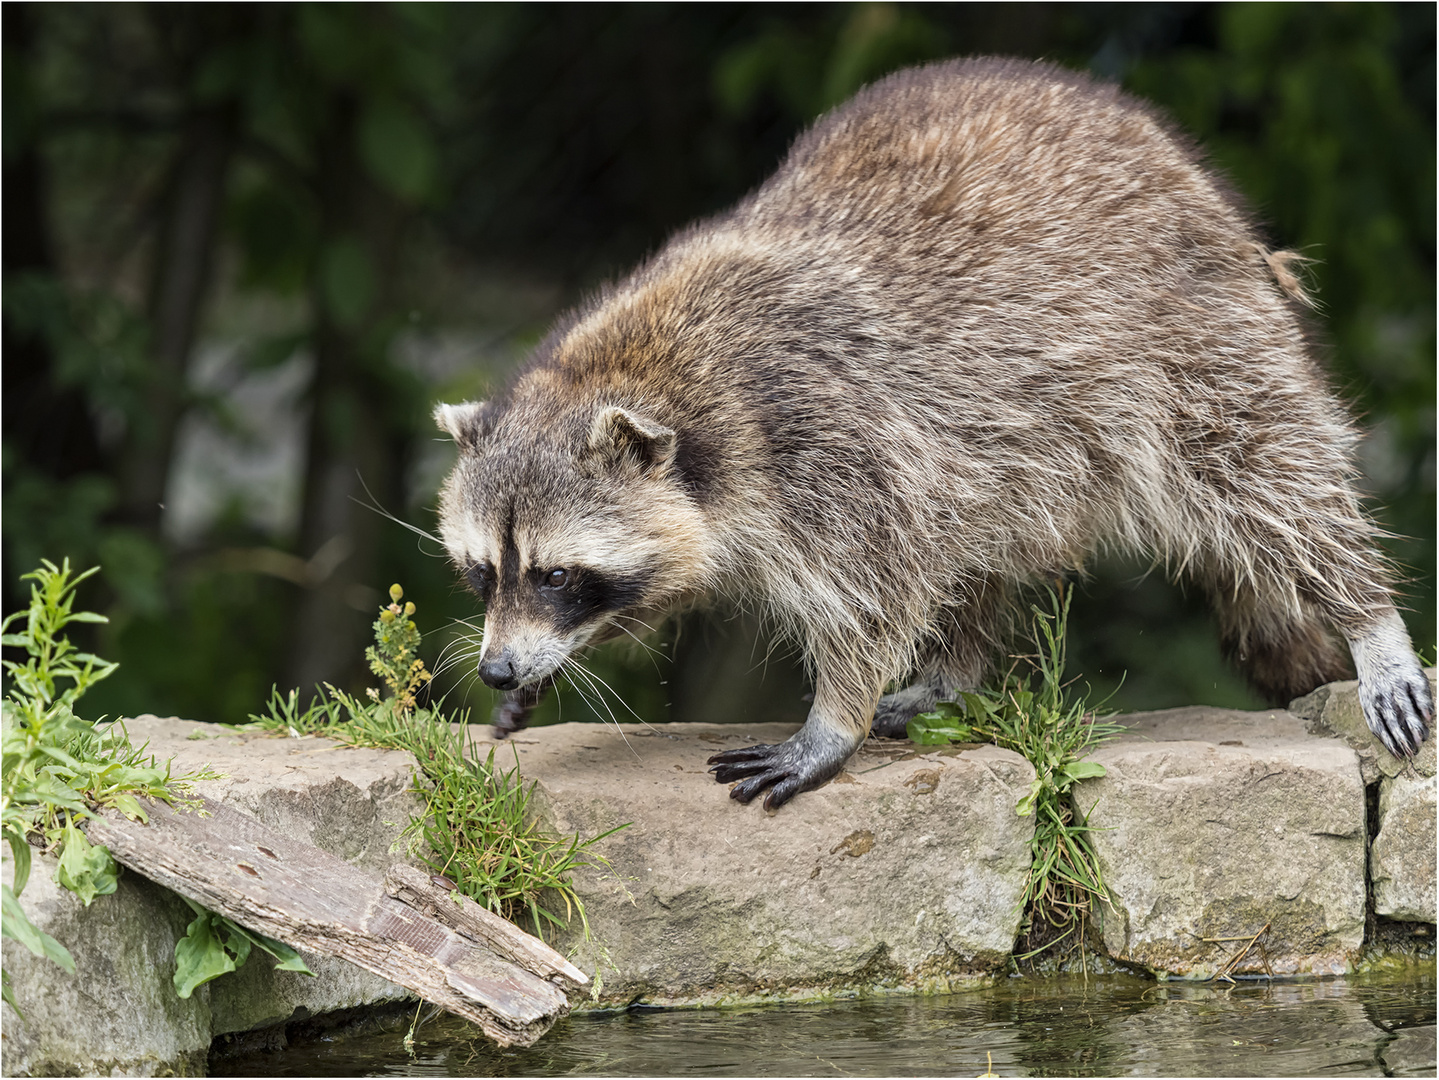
1111	1026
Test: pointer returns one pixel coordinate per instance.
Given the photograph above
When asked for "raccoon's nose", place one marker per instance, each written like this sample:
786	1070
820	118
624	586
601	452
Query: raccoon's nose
499	673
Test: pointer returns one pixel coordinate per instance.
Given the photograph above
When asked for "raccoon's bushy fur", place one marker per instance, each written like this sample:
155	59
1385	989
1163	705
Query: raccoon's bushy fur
988	319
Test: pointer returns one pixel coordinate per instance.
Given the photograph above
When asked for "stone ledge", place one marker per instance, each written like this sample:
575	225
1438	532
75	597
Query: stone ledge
1401	858
905	872
1210	824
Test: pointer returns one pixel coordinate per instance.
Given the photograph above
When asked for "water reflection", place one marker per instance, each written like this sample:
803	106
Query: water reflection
1111	1026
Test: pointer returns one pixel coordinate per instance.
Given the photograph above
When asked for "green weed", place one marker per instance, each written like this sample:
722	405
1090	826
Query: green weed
478	828
59	768
213	946
1031	714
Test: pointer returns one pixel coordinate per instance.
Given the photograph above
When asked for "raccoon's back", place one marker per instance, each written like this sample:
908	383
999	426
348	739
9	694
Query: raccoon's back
967	163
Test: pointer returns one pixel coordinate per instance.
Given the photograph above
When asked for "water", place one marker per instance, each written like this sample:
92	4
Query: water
1113	1026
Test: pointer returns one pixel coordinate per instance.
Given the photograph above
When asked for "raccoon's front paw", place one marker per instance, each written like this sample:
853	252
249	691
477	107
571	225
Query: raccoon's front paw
512	714
800	763
1398	708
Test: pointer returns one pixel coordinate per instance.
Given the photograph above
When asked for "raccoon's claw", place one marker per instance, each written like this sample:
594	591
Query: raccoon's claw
1398	708
765	766
801	763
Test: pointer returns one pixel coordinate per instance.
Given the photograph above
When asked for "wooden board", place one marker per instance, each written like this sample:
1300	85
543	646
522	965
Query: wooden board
313	901
426	893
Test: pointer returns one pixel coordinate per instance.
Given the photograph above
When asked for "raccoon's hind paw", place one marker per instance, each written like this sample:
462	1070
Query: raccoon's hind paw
1398	707
894	711
800	763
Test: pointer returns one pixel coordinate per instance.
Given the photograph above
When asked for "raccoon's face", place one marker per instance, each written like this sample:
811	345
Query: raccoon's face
566	532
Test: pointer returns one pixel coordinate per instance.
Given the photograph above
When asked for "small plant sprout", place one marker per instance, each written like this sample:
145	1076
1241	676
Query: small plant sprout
394	655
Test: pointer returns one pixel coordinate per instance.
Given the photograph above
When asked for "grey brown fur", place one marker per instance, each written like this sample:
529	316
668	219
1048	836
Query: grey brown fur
988	319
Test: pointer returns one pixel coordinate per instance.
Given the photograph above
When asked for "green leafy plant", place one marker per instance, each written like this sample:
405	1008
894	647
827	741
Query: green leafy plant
57	767
1031	714
213	946
478	828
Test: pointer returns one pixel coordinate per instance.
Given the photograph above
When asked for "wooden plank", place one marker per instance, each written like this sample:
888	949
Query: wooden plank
461	914
313	901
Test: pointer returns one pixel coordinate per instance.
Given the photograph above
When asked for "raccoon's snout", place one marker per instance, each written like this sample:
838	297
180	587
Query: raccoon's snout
498	672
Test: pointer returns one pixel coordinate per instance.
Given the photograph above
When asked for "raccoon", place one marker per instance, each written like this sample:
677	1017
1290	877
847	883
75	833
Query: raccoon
989	318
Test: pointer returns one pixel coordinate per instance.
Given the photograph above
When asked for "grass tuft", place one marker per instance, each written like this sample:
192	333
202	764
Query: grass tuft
1031	714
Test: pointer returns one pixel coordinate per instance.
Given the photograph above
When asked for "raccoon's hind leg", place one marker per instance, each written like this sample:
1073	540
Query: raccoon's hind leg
1281	639
957	657
1393	689
1283	651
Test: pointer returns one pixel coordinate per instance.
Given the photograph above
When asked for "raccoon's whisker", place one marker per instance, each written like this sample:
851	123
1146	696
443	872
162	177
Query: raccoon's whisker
468	624
595	697
633	619
456	643
580	682
653	652
589	677
446	666
456	652
642	644
460	648
618	698
374	504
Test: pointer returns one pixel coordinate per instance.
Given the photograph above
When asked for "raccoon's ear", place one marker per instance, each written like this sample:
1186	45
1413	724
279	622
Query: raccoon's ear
617	435
466	422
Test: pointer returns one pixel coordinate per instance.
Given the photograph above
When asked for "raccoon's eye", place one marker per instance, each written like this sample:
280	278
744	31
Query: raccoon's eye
556	579
481	577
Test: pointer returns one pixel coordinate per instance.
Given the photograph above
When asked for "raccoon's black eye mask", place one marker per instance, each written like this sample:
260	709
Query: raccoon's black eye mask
582	594
481	579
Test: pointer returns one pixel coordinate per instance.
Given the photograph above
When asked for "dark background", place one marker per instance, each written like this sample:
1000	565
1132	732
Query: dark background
247	247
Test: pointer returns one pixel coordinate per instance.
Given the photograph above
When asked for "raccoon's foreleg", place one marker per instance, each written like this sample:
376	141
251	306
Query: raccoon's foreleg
834	730
512	714
1393	689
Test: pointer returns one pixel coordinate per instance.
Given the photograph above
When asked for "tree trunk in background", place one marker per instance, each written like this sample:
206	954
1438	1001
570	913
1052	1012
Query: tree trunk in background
47	427
350	462
183	260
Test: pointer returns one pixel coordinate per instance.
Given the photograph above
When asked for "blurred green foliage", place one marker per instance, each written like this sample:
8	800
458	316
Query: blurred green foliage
392	201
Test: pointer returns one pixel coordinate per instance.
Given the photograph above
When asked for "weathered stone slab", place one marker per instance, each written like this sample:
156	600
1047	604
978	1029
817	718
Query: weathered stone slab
118	1015
1211	824
1334	710
905	872
1401	858
349	802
